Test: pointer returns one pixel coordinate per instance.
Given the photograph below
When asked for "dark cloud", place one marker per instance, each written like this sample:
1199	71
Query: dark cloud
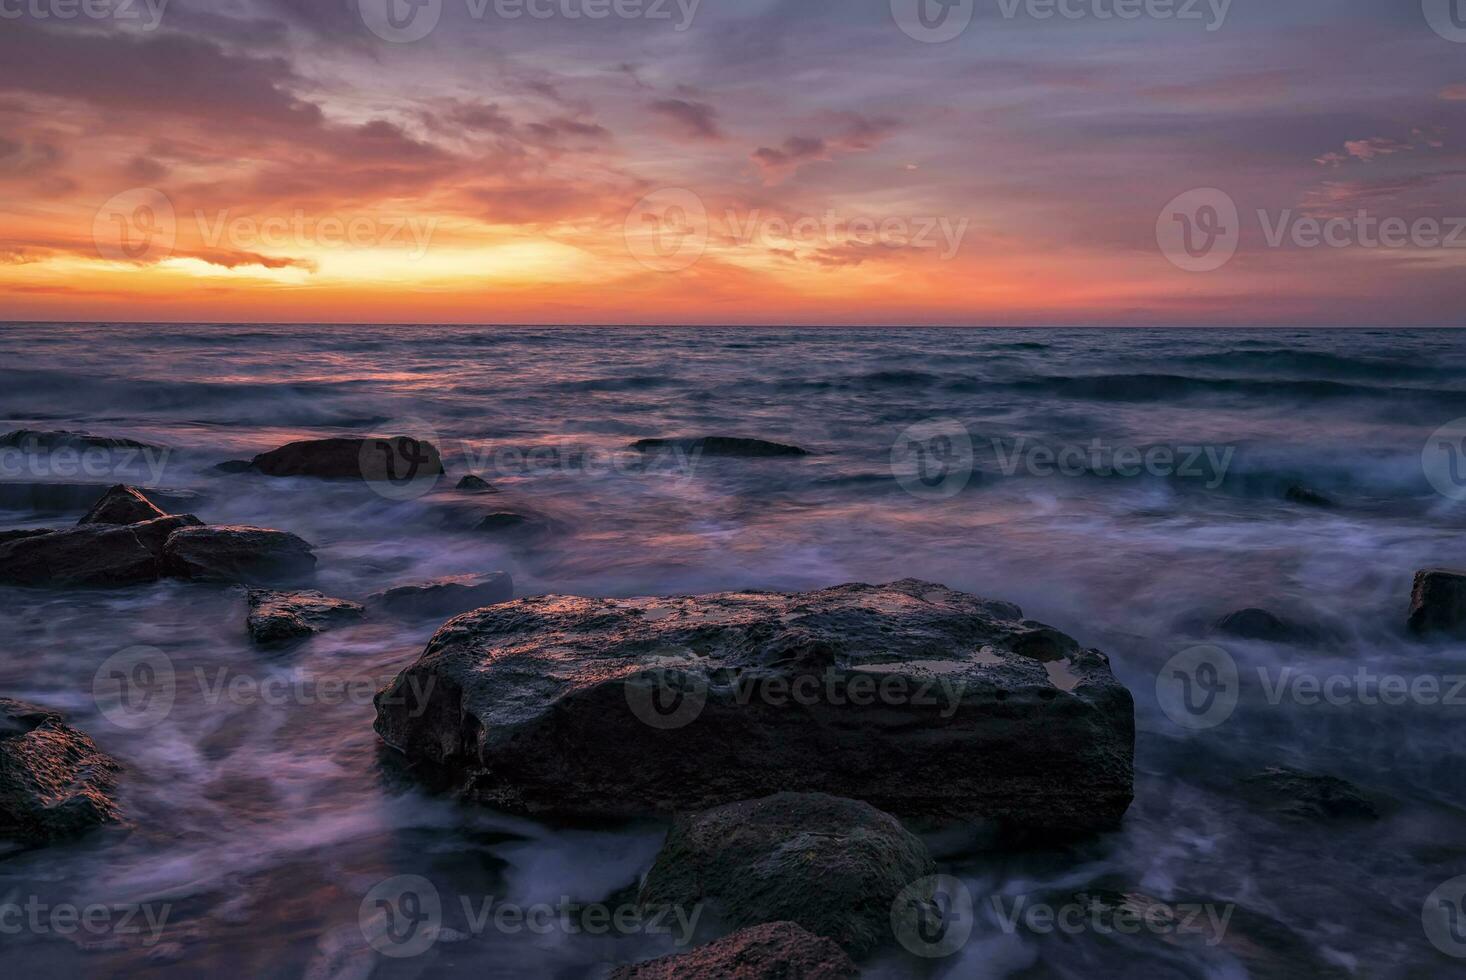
697	120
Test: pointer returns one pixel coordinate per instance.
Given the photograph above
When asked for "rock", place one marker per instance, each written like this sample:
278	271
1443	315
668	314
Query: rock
776	951
1306	796
54	781
235	466
909	696
95	555
64	497
25	533
475	484
1259	624
505	522
1299	494
46	441
237	554
122	505
278	618
832	865
1438	602
445	597
719	446
396	458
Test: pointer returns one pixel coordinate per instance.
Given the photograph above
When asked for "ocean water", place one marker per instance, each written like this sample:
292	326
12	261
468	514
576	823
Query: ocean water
263	811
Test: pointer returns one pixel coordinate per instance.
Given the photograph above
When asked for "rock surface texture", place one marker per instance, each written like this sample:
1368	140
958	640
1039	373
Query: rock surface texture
447	596
279	618
54	781
396	458
1438	602
777	951
237	554
95	555
915	698
122	505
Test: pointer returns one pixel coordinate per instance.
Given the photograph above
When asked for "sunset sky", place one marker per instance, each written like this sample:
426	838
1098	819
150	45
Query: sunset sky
728	161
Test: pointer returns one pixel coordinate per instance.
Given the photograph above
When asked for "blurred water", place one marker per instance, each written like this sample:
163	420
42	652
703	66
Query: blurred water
263	825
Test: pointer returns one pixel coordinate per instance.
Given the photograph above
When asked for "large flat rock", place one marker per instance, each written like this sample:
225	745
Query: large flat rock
90	556
915	698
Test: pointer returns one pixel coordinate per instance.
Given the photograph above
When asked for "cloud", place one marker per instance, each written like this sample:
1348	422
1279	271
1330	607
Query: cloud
1454	93
697	120
857	134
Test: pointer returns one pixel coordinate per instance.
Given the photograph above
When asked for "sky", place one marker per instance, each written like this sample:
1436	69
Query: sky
1002	162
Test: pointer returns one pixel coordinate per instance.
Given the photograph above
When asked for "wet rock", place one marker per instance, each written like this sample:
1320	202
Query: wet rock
1300	795
908	696
832	865
445	597
54	781
719	446
25	533
122	505
395	458
475	484
279	618
237	554
1299	494
1259	624
1438	602
775	951
95	555
506	522
48	441
235	466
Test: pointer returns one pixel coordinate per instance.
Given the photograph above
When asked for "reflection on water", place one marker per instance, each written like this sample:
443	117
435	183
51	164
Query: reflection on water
264	811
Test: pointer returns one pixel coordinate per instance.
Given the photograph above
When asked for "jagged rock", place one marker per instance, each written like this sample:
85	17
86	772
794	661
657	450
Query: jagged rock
832	865
1259	624
719	446
475	484
122	505
278	618
237	554
1307	796
776	951
445	597
1438	602
910	696
48	441
54	781
397	457
96	555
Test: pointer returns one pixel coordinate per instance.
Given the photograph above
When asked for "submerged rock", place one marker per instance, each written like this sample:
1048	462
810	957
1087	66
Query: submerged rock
1299	494
719	446
95	555
776	951
397	457
1438	602
122	505
1259	624
448	596
506	522
237	554
475	484
54	781
832	865
1306	796
909	696
278	618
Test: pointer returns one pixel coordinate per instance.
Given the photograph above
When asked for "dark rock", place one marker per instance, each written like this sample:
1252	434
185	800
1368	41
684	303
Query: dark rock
122	505
1298	494
1259	624
96	555
237	554
505	521
235	466
475	484
393	458
445	597
46	441
279	618
910	697
719	446
1438	602
1306	796
832	865
54	781
25	533
776	951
